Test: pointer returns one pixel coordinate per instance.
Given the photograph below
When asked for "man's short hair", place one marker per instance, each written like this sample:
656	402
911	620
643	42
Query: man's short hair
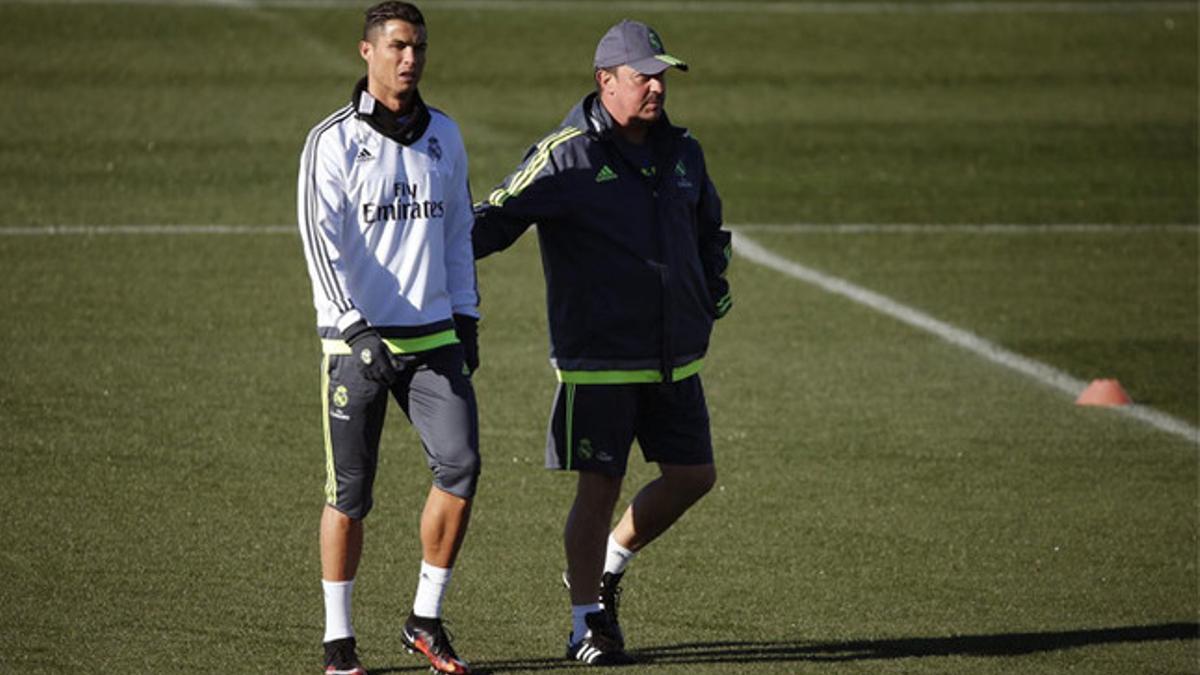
383	12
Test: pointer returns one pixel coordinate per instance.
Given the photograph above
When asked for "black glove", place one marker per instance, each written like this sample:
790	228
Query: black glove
370	353
467	329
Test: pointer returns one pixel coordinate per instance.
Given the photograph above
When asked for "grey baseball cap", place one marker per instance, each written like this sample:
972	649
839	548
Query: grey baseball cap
634	44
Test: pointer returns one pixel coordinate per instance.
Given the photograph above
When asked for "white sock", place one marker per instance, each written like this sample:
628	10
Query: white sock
337	609
579	629
430	589
617	557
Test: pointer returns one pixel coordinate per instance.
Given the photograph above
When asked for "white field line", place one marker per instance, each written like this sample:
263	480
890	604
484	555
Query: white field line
686	6
1040	372
756	253
285	22
795	228
992	228
95	230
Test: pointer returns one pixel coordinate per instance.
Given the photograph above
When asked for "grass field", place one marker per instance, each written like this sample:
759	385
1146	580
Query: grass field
887	502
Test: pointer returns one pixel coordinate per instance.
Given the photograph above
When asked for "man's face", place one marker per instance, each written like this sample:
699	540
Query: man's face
631	97
395	56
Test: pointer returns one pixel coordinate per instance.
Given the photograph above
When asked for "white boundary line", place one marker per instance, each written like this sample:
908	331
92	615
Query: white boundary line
989	228
1042	373
97	230
795	228
694	7
756	253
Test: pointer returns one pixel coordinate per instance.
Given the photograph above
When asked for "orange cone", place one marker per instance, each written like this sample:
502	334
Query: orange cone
1106	393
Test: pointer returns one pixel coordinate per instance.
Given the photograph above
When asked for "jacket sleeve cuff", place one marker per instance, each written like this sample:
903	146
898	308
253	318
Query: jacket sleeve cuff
345	320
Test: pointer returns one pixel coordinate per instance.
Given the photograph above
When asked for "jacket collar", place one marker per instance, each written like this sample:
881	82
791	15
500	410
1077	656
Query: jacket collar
405	129
592	117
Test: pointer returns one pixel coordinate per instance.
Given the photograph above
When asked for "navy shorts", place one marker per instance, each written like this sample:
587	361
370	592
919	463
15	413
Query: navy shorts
439	400
593	426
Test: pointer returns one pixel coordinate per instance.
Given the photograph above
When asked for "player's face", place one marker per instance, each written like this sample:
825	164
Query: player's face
633	98
395	56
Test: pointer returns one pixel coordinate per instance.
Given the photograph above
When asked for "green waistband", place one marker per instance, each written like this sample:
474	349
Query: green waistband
424	343
627	376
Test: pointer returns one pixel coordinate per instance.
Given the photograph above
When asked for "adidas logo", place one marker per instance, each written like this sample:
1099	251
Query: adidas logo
364	155
606	174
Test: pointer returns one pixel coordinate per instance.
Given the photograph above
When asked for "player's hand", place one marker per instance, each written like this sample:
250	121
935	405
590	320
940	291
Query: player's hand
370	353
467	329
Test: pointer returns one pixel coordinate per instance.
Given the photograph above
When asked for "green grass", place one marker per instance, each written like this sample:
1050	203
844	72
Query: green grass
886	502
192	114
1101	304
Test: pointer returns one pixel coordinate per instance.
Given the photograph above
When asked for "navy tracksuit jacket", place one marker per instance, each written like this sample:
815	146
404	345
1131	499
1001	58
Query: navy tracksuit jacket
633	251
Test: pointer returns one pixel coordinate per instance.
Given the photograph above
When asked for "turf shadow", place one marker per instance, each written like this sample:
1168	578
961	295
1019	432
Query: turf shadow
1002	644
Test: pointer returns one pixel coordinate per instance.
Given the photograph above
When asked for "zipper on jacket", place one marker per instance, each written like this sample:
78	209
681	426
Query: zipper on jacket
660	151
664	280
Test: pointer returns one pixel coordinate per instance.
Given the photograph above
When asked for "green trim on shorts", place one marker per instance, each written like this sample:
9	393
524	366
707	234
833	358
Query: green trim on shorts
627	376
335	347
570	422
330	472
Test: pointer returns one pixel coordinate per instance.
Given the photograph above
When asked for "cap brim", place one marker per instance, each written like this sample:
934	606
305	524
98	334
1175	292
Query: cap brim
656	64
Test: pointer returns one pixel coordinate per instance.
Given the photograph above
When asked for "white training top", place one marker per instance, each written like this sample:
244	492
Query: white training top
386	227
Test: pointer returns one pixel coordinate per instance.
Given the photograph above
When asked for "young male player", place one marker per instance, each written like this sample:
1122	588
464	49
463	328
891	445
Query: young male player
385	219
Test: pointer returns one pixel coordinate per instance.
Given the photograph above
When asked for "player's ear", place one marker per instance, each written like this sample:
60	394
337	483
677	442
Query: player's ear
364	49
603	75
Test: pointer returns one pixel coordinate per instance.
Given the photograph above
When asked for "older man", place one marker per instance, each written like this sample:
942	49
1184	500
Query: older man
629	225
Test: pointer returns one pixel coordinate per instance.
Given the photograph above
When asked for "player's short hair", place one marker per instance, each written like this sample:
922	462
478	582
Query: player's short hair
379	14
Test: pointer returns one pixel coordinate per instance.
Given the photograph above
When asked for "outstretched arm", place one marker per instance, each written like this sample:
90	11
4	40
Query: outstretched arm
532	194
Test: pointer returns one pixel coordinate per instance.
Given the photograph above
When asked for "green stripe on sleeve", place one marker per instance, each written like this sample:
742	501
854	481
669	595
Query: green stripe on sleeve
524	178
724	304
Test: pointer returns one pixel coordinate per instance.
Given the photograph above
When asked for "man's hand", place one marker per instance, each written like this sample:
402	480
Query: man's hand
370	353
467	329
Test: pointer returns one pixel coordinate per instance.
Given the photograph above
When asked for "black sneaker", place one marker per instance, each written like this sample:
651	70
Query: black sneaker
610	597
600	647
429	637
341	658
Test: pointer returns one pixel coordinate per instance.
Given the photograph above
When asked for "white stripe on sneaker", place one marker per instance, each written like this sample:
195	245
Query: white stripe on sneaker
589	654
